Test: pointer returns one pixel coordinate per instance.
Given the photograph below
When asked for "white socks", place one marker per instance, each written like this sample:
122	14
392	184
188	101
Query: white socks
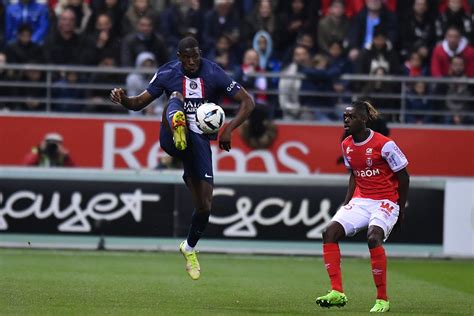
187	247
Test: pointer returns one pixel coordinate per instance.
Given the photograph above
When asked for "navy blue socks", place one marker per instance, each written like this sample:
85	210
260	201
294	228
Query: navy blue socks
198	225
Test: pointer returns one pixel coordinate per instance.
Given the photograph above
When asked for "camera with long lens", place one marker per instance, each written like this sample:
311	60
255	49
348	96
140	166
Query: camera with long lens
51	148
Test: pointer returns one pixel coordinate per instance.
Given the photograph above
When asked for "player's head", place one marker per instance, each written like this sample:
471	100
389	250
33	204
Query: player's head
190	55
357	115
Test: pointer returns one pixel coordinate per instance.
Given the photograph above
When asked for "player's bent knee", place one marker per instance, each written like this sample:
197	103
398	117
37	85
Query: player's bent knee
333	233
374	240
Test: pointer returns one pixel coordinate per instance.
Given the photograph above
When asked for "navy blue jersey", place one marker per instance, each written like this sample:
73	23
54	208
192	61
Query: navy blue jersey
209	85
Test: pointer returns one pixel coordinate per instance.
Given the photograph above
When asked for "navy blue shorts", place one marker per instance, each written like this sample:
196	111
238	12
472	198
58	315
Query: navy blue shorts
197	157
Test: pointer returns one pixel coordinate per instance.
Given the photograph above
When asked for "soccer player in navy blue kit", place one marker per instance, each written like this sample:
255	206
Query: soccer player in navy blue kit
189	82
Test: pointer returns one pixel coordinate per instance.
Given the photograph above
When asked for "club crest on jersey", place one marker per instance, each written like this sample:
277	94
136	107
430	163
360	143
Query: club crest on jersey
348	150
368	151
193	88
369	162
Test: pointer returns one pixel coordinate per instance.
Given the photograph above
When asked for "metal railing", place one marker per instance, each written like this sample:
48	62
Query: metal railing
52	72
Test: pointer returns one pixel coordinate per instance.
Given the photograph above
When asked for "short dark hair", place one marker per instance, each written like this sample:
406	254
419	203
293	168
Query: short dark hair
453	27
25	27
187	43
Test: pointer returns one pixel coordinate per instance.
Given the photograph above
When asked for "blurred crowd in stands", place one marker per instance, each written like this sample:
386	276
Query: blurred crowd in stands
321	39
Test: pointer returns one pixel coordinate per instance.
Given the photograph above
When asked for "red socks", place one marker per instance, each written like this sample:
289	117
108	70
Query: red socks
332	260
379	271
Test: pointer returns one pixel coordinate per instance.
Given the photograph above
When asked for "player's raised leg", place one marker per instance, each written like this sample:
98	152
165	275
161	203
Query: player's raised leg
375	236
176	120
201	192
332	260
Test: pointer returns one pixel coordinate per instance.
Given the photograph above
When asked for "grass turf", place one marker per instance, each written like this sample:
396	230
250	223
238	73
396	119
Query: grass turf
130	283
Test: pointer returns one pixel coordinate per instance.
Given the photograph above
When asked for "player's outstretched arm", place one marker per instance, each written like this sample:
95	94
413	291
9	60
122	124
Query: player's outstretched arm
246	107
350	189
135	103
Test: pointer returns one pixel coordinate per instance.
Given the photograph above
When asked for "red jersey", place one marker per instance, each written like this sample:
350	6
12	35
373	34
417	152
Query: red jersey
374	163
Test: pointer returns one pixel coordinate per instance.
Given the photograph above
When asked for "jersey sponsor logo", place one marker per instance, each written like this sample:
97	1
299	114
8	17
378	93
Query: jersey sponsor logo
191	106
207	176
367	173
231	86
368	151
348	150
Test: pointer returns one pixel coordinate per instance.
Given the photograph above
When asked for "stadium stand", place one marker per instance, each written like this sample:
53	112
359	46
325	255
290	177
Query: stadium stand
393	48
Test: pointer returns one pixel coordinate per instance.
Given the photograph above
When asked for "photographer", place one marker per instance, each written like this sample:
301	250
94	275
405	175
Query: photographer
50	153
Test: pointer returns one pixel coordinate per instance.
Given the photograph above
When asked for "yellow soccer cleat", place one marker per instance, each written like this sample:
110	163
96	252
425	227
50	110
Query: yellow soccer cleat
179	130
192	264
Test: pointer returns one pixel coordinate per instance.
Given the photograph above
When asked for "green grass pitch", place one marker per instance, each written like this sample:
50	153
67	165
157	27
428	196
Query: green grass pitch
39	282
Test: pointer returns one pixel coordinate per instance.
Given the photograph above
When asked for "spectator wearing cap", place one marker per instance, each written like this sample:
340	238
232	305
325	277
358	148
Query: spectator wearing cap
24	49
49	153
362	28
141	40
454	44
26	12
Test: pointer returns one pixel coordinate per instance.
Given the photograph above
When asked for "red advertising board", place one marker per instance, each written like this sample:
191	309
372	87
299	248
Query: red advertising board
109	143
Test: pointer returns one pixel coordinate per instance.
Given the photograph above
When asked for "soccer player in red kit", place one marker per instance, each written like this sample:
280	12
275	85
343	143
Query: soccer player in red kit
375	199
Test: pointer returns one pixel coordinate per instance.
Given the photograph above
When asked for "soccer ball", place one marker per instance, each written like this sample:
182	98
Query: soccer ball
209	118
